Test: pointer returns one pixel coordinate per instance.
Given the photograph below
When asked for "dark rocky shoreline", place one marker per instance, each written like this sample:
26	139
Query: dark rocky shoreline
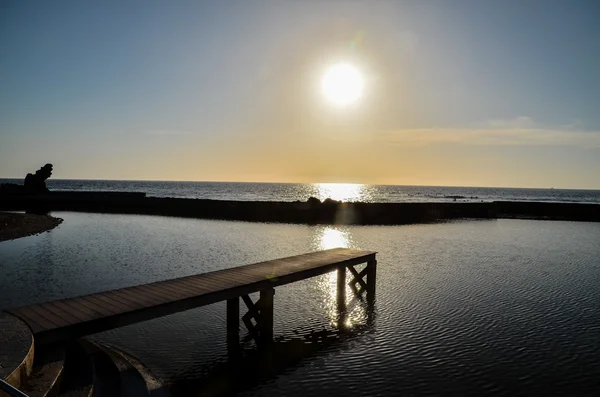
310	212
13	226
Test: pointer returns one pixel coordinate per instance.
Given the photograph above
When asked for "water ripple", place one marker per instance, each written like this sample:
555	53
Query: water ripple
503	307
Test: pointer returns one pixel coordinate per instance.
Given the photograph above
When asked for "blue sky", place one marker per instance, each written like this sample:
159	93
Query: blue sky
489	93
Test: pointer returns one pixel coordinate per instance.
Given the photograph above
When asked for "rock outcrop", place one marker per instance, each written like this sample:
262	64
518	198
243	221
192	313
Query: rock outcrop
36	183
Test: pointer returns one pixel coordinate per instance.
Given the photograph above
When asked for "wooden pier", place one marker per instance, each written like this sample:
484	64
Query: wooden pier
66	319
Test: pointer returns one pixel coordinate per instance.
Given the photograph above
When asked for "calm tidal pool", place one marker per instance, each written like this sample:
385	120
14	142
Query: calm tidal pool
499	307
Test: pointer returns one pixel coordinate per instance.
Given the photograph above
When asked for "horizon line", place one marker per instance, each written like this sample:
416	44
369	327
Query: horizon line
308	183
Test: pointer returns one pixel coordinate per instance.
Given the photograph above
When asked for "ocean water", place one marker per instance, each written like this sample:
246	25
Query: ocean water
489	307
302	191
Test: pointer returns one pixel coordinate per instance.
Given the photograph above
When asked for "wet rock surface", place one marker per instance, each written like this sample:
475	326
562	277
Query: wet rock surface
13	226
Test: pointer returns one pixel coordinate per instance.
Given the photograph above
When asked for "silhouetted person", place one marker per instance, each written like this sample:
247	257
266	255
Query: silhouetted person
36	183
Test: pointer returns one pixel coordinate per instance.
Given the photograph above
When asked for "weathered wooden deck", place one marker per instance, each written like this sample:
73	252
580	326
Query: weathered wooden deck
66	319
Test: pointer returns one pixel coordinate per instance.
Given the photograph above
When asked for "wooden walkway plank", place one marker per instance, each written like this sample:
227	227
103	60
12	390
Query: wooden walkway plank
197	286
61	311
127	298
107	305
44	315
136	298
28	317
84	301
81	308
155	296
181	291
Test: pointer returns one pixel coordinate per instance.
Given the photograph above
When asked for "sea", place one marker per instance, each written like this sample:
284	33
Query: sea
500	307
347	192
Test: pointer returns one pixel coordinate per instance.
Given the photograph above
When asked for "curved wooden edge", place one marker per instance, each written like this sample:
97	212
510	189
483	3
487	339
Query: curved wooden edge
19	375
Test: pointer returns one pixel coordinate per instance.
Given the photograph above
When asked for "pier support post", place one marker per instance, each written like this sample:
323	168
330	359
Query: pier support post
341	297
341	289
233	315
233	326
371	276
358	283
358	279
259	318
265	324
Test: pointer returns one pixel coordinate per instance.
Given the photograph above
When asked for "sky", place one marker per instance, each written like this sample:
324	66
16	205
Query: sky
456	93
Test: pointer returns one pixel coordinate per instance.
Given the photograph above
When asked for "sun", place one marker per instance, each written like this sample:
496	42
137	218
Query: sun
342	84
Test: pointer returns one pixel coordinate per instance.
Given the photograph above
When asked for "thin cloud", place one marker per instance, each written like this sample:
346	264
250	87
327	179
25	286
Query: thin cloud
166	132
521	131
521	122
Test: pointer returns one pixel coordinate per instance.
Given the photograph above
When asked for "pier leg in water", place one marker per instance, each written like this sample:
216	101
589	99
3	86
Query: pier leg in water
233	327
265	324
341	296
371	276
262	314
358	279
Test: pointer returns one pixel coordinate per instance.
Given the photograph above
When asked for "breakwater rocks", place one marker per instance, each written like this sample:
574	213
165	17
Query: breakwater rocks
548	211
312	211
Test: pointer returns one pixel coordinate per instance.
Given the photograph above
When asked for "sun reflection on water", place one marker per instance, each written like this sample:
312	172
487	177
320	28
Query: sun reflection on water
341	191
333	238
327	238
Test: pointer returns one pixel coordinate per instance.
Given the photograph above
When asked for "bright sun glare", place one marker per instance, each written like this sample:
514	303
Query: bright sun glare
342	84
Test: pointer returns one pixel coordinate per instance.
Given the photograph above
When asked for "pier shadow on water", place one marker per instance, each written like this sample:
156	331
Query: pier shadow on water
249	365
